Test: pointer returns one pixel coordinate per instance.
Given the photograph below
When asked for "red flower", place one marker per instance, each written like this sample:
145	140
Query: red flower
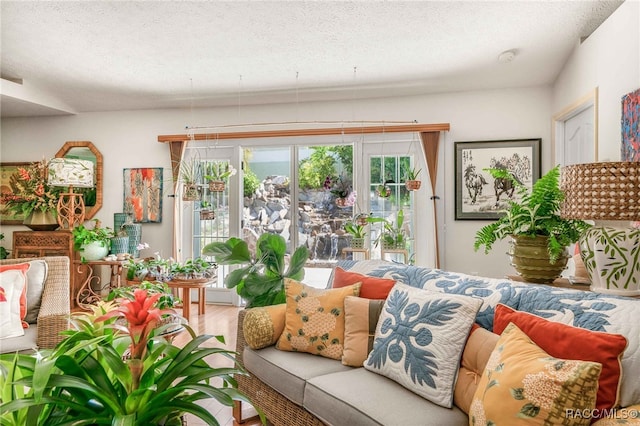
39	190
24	174
141	315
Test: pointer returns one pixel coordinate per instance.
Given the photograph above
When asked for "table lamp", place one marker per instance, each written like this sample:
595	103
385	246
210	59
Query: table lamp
609	194
70	172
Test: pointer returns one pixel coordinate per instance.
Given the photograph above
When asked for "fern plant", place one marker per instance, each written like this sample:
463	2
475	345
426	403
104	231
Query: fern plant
535	214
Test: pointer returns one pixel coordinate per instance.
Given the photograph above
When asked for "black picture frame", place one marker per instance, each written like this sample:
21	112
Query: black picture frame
476	189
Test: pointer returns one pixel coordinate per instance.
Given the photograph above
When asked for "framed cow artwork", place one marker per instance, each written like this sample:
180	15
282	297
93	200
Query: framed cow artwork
478	195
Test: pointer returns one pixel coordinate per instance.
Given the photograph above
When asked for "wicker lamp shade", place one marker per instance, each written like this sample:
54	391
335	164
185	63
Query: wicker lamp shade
601	191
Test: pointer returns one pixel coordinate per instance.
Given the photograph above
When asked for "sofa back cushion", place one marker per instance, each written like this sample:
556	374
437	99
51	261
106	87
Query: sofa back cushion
360	320
475	356
263	326
36	277
568	342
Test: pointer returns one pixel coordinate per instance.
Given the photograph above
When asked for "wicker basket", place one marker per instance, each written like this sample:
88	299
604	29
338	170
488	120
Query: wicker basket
357	243
207	215
191	192
413	185
216	186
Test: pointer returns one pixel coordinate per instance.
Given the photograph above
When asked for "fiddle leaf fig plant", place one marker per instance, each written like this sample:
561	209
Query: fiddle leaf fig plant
260	281
536	213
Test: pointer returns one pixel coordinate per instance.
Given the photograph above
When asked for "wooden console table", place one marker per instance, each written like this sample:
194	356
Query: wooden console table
86	295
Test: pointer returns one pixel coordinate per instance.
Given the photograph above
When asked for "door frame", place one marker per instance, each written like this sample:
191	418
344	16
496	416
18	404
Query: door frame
560	118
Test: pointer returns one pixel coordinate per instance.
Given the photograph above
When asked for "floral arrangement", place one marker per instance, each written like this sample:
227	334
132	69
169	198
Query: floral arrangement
341	188
116	368
30	191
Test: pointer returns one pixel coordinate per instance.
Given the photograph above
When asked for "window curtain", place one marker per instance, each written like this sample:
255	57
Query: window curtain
177	150
430	147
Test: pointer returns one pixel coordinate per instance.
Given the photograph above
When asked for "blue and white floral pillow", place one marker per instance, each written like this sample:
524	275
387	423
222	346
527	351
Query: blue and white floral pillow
420	338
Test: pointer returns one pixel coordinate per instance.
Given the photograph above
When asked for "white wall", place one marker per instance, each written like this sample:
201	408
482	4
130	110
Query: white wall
609	60
129	139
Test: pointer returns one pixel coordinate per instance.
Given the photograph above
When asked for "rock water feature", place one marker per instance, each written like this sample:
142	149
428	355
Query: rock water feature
320	221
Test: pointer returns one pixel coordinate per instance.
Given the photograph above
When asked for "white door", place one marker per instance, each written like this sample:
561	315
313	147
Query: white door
579	146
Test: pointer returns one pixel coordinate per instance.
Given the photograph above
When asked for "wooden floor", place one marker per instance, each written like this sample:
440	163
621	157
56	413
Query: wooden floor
217	320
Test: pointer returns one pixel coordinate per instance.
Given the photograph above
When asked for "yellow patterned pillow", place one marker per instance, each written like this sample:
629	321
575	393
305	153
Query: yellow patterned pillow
314	321
263	326
523	385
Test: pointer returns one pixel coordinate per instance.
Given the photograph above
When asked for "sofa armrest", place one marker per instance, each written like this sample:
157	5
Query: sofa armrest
53	316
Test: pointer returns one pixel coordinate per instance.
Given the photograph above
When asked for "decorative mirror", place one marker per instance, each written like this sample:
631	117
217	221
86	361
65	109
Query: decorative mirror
85	150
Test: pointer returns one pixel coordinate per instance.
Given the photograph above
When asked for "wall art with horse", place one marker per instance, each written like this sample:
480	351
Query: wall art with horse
478	194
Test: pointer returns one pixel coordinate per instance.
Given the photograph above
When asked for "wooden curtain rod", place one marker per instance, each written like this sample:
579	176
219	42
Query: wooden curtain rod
307	132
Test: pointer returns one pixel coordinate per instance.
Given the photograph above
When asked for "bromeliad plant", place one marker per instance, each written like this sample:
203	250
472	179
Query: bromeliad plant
261	280
115	369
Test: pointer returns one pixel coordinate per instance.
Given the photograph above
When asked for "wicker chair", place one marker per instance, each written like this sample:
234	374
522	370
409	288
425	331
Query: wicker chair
53	316
278	409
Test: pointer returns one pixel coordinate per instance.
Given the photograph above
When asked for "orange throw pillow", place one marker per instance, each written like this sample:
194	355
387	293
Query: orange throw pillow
372	287
569	342
23	268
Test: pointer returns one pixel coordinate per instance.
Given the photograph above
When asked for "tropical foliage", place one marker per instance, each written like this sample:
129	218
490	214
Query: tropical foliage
260	281
30	190
114	368
535	214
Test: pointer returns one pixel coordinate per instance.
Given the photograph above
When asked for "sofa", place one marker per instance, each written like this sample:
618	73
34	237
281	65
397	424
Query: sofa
47	304
297	388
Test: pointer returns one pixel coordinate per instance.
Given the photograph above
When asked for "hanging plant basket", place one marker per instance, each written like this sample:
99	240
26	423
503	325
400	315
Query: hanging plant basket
341	202
190	192
413	185
362	219
383	191
216	185
207	215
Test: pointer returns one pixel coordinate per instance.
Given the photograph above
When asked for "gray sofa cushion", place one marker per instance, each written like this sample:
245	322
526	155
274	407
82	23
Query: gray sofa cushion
287	372
26	343
36	276
359	397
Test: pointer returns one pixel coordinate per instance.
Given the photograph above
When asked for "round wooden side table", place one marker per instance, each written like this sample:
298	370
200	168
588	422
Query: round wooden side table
187	285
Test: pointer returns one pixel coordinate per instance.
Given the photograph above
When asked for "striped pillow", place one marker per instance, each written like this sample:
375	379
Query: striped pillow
361	318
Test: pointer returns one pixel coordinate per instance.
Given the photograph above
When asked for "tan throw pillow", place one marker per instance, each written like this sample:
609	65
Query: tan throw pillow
263	326
314	320
523	385
477	351
360	320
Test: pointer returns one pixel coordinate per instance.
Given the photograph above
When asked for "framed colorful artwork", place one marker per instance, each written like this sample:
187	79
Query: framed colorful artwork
631	126
478	194
143	194
6	170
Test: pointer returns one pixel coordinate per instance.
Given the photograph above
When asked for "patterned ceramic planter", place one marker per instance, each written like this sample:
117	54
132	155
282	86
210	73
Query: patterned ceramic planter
413	185
612	258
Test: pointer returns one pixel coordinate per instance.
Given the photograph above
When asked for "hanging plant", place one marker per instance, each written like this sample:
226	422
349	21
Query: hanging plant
384	190
217	173
411	180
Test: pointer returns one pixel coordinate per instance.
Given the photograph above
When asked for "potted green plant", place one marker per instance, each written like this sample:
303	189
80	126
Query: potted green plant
190	176
393	235
4	253
217	173
92	243
116	368
532	222
357	233
193	269
260	279
206	211
411	181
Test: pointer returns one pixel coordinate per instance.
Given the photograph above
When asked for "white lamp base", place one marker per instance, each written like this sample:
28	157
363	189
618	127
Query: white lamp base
612	258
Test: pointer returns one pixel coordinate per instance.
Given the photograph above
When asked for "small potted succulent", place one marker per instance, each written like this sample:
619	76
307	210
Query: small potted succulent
411	181
216	173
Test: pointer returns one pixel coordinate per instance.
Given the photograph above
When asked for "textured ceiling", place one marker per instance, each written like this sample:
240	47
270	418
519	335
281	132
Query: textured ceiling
71	57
